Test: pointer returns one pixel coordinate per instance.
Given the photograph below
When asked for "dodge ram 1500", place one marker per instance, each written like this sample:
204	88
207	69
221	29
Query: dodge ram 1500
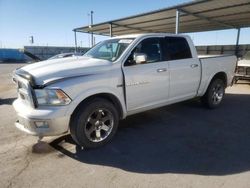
121	76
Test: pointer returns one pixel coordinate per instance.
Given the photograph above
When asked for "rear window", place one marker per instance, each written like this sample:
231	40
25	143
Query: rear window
176	48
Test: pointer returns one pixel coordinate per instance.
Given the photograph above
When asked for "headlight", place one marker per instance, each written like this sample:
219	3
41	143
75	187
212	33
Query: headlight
51	97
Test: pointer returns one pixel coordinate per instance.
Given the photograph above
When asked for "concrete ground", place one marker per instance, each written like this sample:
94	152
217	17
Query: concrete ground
182	145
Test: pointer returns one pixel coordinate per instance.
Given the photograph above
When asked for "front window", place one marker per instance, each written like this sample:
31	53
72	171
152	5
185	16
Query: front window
150	47
109	50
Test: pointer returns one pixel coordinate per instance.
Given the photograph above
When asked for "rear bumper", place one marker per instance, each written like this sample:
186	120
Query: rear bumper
41	122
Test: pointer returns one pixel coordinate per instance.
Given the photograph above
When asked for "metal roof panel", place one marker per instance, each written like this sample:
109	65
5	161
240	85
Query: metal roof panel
196	16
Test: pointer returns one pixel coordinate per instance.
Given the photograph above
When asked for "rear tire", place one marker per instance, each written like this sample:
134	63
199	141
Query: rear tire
94	123
214	94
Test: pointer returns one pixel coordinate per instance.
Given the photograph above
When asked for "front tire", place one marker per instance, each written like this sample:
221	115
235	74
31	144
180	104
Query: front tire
94	123
214	94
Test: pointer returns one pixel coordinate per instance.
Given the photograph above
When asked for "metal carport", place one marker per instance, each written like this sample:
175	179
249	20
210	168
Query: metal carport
195	16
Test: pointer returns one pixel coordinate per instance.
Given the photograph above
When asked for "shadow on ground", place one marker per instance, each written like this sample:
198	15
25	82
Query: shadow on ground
183	138
7	101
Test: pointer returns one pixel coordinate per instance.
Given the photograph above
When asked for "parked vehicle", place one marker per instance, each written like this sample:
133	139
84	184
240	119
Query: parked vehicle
63	55
243	68
119	77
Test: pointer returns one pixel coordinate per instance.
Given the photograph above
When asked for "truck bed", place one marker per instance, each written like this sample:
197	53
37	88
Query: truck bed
212	64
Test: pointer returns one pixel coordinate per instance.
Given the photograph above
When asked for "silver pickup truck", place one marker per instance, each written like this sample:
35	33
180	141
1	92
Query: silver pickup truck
121	76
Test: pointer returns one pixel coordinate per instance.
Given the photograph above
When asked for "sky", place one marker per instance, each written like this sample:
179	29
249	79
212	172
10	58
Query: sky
51	22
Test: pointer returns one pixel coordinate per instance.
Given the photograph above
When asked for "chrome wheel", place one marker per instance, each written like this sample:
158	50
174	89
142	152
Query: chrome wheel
99	125
217	93
214	94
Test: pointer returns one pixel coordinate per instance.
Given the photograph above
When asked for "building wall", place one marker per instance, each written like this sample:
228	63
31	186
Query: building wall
7	55
223	49
45	52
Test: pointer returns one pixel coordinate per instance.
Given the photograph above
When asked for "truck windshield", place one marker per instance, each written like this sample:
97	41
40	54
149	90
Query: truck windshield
109	50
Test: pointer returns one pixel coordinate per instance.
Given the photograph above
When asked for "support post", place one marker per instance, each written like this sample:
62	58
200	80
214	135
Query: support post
237	43
110	30
75	41
91	22
177	21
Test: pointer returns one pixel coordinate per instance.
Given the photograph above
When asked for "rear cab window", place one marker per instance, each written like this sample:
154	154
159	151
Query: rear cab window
176	48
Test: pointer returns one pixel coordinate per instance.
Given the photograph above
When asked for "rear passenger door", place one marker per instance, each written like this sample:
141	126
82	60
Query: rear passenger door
185	71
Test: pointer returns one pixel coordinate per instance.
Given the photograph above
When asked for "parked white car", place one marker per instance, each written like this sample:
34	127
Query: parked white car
63	55
119	77
243	68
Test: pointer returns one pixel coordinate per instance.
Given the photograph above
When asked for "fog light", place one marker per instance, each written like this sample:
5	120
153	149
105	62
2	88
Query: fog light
41	124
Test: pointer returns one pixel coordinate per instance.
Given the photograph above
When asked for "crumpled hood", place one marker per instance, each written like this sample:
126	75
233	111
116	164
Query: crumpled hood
51	70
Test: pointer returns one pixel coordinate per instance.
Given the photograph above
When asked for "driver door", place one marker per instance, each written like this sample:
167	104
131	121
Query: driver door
147	83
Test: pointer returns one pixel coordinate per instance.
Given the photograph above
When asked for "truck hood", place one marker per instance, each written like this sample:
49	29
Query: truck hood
48	71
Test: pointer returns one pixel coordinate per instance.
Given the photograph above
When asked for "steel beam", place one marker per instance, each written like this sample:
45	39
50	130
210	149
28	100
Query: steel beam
96	33
237	43
91	22
75	41
177	21
110	30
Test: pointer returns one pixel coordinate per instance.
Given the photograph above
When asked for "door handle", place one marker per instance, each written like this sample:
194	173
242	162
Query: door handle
161	70
194	65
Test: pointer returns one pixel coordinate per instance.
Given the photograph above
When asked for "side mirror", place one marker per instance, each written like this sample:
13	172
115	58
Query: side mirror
140	58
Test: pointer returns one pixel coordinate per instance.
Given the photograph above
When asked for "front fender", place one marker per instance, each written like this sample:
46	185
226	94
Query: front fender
94	91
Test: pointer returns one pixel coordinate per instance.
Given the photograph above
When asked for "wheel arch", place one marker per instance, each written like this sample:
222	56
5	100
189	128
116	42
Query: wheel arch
109	97
220	75
207	98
